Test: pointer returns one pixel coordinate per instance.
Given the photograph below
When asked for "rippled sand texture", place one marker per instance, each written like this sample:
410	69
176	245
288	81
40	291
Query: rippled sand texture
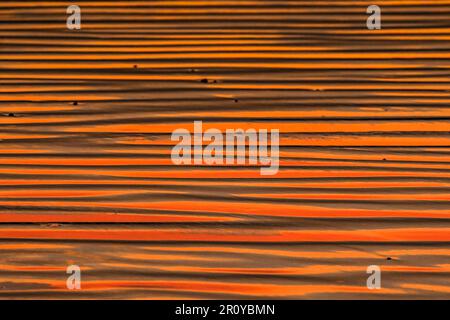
365	149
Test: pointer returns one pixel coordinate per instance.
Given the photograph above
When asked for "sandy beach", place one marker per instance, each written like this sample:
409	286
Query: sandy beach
86	177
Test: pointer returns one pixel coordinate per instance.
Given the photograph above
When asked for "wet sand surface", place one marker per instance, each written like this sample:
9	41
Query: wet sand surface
86	176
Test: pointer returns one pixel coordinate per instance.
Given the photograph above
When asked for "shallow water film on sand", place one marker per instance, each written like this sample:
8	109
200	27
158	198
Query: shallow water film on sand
118	179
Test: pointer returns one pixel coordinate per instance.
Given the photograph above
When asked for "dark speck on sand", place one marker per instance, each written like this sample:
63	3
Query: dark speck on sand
11	115
75	103
389	258
204	80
